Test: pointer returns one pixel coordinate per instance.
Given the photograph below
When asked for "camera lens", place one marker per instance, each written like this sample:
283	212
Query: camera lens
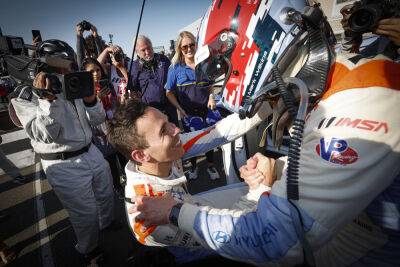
73	85
118	57
364	19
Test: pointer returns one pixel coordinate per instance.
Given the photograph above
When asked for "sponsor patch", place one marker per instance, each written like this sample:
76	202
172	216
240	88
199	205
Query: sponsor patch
366	125
221	237
337	151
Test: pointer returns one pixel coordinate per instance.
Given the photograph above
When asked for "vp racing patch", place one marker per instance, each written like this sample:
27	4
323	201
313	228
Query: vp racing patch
336	150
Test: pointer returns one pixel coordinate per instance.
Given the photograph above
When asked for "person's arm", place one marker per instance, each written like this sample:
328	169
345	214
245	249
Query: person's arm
224	131
259	174
163	235
121	67
94	110
339	177
97	39
211	101
80	45
331	197
343	168
390	28
39	119
172	99
102	58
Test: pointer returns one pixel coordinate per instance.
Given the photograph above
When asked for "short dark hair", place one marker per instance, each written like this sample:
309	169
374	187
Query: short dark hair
122	131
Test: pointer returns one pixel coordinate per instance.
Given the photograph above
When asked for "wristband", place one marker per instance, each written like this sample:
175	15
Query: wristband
174	214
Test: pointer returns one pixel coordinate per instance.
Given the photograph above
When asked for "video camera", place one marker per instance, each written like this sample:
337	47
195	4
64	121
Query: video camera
367	13
15	62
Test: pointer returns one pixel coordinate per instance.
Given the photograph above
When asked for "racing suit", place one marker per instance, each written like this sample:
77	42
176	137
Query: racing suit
83	183
194	143
348	182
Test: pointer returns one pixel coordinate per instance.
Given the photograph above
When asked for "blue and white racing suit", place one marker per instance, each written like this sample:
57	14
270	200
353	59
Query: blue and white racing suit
348	180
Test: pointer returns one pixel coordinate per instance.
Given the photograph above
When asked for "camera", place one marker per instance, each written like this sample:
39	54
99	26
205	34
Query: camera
73	85
118	56
104	83
15	62
85	25
367	13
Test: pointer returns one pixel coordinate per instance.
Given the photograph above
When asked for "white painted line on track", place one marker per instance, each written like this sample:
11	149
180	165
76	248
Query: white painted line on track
44	242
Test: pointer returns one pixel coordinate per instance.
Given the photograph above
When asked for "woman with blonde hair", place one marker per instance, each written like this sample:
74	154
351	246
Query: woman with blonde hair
193	99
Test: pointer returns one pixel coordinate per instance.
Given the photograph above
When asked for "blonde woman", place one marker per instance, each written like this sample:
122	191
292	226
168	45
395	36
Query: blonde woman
193	100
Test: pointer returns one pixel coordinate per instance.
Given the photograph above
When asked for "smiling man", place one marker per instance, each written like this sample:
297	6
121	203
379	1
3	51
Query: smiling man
155	148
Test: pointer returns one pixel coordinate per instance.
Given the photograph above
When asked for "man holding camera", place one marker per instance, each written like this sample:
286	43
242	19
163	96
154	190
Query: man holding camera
59	129
366	16
90	46
117	71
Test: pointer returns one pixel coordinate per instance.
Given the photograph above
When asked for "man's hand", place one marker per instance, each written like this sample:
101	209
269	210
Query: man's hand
390	28
346	13
211	102
182	112
114	49
36	40
258	169
41	82
251	175
79	30
153	210
266	166
93	29
117	64
103	92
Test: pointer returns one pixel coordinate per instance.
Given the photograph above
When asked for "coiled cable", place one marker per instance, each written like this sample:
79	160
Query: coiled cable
287	98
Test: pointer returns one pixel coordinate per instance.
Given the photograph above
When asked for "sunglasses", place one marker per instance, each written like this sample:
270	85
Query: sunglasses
186	47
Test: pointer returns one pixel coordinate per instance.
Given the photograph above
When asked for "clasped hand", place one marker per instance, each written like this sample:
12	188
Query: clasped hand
259	169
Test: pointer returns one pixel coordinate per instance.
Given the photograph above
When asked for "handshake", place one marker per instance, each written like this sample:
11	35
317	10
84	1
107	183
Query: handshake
259	169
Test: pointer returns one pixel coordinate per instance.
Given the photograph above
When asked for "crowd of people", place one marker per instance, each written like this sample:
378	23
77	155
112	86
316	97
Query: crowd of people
70	135
332	202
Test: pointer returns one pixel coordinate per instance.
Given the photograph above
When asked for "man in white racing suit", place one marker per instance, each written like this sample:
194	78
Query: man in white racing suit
60	134
156	168
348	177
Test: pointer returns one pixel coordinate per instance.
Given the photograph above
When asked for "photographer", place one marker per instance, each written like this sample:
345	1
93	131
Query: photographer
117	70
90	46
60	134
387	29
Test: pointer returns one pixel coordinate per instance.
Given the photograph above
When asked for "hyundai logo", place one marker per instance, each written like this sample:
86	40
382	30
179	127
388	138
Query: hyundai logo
221	237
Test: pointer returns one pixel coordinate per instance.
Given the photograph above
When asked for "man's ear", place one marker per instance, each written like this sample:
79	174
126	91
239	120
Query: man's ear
140	156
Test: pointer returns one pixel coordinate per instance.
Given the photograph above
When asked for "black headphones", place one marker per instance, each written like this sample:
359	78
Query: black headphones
149	64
